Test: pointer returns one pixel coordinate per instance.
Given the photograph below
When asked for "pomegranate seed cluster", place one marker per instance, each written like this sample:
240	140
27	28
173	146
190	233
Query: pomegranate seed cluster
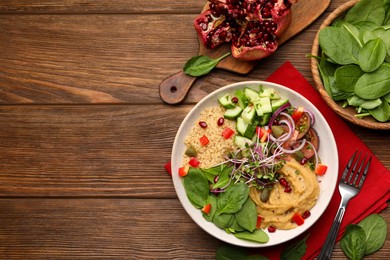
247	24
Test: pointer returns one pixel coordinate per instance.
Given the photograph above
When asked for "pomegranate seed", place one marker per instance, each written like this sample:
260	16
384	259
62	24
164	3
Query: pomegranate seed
202	124
287	189
283	182
235	100
303	161
216	179
271	229
306	214
220	122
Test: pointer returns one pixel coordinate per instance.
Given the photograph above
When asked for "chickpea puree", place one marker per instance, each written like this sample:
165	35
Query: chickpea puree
281	206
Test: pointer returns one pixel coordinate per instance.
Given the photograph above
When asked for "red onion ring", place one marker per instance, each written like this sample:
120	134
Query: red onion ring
277	112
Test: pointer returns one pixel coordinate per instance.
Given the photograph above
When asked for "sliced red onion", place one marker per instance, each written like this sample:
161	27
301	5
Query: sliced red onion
296	149
315	152
311	115
277	112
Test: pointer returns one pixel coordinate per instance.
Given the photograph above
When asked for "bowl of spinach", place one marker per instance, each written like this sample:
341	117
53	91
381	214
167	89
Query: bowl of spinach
350	62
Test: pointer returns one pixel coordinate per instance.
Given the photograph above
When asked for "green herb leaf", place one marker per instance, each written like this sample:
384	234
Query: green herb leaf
212	199
229	252
367	10
381	112
247	216
197	187
295	251
233	198
339	45
372	55
256	236
375	84
201	65
375	228
353	243
346	77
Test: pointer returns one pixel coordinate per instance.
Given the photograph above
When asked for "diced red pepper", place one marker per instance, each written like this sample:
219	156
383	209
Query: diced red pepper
183	170
227	133
206	209
262	133
204	140
258	223
321	169
168	167
296	115
298	219
194	162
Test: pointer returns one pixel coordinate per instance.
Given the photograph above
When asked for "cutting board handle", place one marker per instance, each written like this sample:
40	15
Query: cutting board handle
174	89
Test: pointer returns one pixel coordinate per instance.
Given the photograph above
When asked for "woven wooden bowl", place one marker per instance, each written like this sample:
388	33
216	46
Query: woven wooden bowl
349	112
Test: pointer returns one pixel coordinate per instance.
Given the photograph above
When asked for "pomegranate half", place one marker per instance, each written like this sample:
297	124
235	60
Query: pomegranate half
252	26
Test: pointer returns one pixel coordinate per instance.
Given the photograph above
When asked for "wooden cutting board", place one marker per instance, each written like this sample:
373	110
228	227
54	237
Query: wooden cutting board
174	89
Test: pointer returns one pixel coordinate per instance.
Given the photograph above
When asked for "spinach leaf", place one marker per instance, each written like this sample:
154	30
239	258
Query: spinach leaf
295	251
339	45
247	216
374	34
201	65
223	220
367	10
212	199
372	55
371	104
229	252
375	228
327	70
210	173
197	187
256	236
233	198
346	77
364	26
235	227
375	84
381	112
353	243
353	31
224	178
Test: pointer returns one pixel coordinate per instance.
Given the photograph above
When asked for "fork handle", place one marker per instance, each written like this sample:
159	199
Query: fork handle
327	248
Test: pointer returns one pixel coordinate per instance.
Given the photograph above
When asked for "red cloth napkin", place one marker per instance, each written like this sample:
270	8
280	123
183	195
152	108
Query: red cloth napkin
376	189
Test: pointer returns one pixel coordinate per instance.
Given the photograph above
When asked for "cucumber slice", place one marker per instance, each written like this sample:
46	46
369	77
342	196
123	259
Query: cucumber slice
251	94
249	114
264	119
275	104
245	129
233	113
241	126
242	99
242	141
226	101
268	92
263	106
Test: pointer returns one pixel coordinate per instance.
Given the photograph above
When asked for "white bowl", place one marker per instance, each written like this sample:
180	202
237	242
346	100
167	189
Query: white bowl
327	152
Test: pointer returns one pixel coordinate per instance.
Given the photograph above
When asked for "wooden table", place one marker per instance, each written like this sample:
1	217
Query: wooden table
84	134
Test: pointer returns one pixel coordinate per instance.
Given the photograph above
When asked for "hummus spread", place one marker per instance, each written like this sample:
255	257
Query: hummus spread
281	206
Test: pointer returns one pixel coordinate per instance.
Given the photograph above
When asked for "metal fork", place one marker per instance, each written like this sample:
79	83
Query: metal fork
349	186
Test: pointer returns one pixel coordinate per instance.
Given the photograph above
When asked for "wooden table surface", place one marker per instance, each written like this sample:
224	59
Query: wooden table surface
84	134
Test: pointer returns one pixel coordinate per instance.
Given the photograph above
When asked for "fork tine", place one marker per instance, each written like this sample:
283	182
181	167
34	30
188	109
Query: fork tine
357	175
346	170
365	172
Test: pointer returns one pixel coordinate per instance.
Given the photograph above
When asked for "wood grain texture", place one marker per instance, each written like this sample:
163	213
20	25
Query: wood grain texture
110	228
99	6
100	150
